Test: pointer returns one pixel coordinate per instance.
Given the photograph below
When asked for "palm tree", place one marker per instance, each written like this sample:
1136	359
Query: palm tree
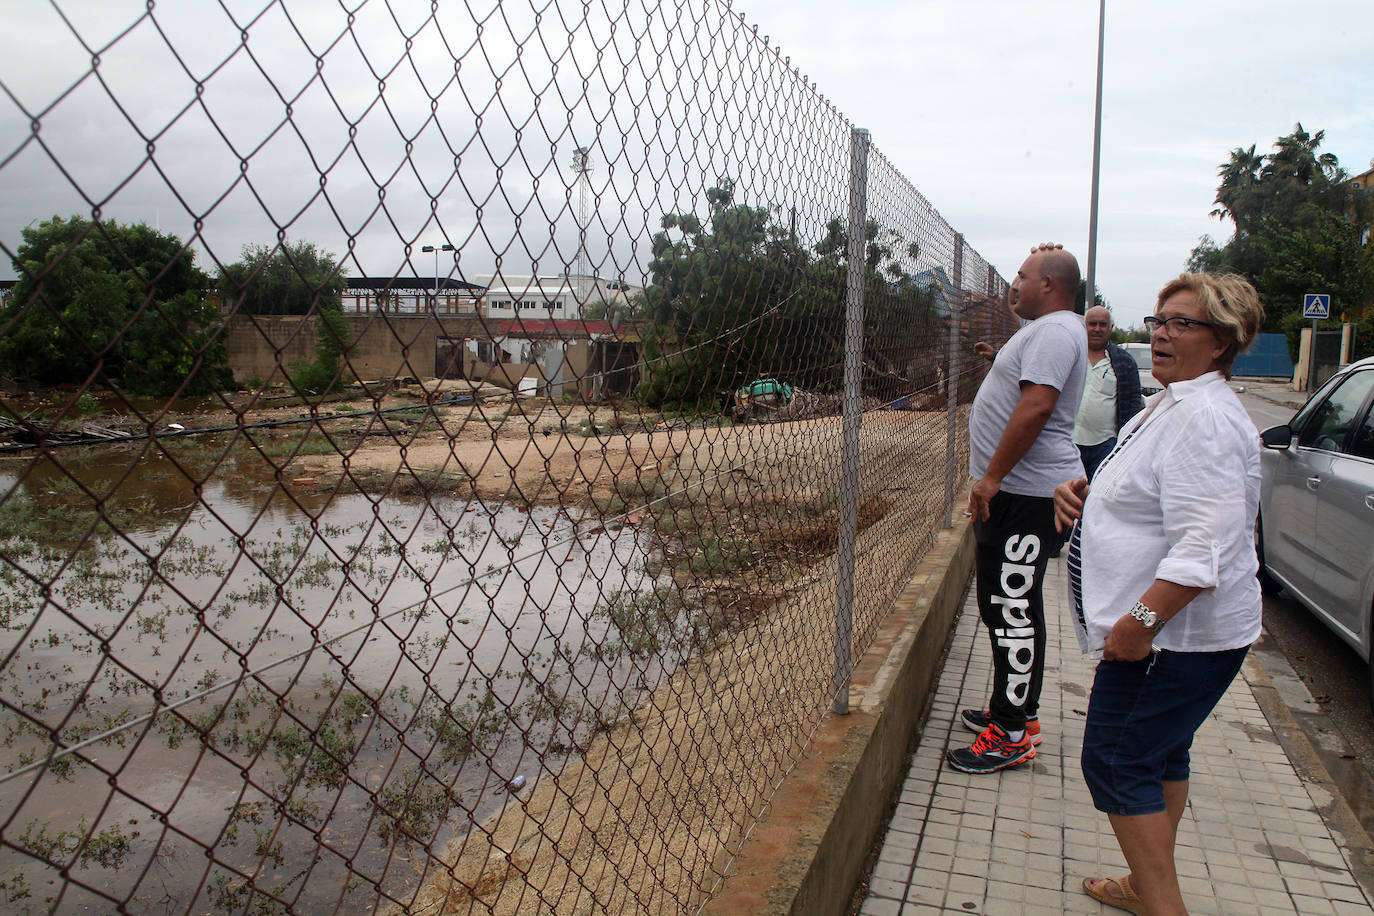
1295	158
1239	175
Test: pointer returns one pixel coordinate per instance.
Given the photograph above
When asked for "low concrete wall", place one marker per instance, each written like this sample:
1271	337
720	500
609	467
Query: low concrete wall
808	853
384	345
388	345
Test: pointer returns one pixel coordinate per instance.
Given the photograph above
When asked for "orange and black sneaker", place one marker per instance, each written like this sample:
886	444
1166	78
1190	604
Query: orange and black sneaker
992	751
977	720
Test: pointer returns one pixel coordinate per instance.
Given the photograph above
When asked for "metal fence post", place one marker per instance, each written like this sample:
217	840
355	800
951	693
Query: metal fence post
952	380
853	410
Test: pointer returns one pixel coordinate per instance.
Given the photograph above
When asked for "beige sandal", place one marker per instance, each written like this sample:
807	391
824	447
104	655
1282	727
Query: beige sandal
1126	898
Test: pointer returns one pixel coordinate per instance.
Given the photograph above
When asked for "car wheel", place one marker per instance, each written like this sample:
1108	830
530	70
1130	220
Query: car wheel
1268	584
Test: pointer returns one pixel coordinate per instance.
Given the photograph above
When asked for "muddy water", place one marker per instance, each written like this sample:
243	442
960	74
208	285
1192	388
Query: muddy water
257	691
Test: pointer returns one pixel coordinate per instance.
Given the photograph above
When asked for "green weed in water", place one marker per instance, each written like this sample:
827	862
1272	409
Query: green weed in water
643	623
107	848
719	556
411	811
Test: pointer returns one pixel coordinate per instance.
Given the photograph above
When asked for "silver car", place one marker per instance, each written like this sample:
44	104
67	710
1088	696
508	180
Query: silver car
1316	528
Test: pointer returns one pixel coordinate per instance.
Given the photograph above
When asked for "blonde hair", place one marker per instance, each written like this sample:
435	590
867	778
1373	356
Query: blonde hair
1230	302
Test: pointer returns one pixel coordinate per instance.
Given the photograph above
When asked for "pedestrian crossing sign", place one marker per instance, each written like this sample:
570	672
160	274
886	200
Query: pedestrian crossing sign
1316	305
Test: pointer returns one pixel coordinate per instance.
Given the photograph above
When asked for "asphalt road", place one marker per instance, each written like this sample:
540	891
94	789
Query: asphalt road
1339	721
1260	400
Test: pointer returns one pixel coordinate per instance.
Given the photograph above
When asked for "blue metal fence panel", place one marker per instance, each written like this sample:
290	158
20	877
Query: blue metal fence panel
1267	357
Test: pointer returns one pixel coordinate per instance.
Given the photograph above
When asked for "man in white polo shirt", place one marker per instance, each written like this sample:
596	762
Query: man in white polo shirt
1021	447
1111	395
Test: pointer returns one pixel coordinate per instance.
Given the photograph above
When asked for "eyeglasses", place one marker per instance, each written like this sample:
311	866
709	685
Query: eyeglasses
1175	325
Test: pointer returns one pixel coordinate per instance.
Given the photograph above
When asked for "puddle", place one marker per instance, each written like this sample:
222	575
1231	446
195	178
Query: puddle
434	649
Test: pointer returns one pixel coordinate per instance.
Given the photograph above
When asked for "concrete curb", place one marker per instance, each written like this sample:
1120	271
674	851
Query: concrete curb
1264	669
808	852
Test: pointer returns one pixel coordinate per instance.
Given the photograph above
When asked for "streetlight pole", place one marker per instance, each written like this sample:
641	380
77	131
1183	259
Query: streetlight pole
436	250
1090	297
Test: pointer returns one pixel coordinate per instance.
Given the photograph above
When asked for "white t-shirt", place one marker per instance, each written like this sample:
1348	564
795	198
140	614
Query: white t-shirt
1052	350
1096	421
1177	502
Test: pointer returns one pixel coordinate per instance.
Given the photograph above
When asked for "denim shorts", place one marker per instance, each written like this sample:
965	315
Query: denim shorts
1141	720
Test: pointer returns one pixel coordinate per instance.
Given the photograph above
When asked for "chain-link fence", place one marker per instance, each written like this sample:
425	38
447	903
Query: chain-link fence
450	454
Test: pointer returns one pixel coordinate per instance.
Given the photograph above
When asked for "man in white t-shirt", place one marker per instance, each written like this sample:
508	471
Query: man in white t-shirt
1021	447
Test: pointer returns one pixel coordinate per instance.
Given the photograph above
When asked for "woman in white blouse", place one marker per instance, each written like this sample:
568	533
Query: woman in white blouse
1162	570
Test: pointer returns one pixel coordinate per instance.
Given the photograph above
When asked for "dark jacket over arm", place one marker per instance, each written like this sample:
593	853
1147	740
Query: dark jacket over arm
1128	399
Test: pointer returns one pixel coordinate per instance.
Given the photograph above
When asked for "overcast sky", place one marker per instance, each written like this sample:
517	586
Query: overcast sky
985	108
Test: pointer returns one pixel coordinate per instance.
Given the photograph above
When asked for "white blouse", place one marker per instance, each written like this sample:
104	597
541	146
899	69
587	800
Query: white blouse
1177	502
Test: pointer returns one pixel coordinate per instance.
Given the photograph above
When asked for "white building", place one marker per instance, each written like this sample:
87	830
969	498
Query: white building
559	298
537	321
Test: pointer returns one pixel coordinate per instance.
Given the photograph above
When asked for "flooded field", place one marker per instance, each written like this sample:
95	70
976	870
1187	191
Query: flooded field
228	696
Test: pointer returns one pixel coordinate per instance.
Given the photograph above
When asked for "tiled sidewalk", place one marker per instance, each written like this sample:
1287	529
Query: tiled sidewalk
1021	841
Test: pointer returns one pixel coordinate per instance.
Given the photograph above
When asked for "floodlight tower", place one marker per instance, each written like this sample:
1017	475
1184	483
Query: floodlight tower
582	165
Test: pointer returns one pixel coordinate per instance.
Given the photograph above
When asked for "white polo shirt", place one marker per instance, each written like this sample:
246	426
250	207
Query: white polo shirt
1096	420
1177	502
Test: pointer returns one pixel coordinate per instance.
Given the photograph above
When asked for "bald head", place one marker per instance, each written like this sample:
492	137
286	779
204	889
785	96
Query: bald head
1047	282
1062	269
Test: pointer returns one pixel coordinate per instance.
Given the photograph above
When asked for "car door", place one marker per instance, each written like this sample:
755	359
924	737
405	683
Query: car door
1288	510
1345	527
1312	480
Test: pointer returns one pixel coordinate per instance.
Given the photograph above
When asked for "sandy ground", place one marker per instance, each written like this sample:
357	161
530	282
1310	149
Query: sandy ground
536	452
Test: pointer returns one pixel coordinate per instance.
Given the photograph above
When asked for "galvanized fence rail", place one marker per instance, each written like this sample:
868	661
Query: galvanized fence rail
450	455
